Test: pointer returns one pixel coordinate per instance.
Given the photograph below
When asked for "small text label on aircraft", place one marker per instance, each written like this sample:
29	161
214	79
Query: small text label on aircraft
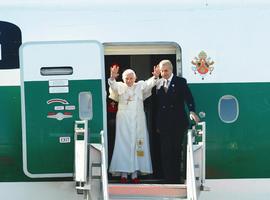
71	107
59	107
60	82
64	140
53	90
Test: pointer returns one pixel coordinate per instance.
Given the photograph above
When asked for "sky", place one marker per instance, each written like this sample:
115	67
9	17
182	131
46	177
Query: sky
107	2
159	5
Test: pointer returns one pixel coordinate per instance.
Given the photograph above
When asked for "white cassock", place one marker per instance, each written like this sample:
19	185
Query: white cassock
131	150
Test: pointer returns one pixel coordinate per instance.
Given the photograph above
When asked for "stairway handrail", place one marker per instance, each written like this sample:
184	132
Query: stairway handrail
203	133
191	181
104	177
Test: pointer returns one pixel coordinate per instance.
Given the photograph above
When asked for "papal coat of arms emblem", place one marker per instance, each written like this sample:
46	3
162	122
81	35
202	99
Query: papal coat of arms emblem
202	65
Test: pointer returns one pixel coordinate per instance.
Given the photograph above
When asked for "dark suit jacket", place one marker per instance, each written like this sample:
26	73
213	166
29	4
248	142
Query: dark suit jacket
171	114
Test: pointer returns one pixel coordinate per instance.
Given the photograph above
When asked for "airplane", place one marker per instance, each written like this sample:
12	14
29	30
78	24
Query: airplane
219	47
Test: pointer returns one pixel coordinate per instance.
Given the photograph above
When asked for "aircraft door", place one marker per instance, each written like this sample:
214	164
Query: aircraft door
54	75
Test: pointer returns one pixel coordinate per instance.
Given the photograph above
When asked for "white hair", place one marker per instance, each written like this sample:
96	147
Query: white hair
128	71
165	63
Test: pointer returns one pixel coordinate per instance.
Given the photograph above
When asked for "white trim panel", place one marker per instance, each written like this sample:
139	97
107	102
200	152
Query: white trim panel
58	54
10	77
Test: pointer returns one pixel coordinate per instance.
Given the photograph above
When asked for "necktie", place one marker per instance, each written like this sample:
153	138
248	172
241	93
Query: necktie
165	85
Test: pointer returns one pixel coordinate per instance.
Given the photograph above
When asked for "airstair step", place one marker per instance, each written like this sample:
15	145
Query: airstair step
146	198
147	191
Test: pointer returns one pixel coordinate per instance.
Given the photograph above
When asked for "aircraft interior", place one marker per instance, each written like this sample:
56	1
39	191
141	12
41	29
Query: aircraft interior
143	66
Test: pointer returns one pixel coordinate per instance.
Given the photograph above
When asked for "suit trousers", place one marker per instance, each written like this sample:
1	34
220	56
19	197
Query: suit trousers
171	148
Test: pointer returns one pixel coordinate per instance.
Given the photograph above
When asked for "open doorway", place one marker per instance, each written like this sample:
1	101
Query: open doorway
141	58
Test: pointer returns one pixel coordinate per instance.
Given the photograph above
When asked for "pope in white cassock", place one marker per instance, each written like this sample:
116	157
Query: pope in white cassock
131	150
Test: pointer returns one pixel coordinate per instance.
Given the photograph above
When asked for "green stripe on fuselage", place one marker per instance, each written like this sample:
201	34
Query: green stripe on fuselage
236	150
239	149
10	134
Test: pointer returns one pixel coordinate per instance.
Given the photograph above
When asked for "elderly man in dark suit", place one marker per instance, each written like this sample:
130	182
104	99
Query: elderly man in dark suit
173	95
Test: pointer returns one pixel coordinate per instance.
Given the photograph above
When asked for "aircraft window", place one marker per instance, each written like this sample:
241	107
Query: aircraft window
228	109
85	106
53	71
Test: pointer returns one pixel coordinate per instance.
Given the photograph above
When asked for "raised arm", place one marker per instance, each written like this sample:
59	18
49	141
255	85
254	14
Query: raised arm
156	71
113	75
113	89
114	72
151	82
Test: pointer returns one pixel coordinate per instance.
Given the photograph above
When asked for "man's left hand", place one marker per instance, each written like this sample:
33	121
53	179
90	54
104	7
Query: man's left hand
194	116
